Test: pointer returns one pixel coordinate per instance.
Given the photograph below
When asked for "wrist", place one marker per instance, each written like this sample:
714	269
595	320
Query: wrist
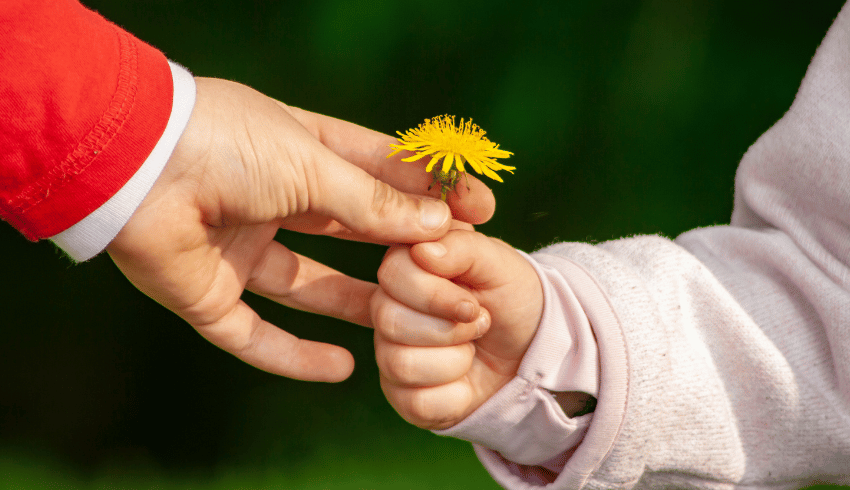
93	234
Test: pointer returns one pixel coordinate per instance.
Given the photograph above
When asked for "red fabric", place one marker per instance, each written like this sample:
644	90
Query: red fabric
82	104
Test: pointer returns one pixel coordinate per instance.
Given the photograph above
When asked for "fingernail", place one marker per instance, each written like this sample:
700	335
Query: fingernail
434	249
465	311
433	213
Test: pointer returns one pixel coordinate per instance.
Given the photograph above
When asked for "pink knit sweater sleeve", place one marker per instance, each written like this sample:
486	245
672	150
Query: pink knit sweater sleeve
725	354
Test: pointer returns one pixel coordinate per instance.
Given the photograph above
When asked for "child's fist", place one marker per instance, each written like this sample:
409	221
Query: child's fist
453	319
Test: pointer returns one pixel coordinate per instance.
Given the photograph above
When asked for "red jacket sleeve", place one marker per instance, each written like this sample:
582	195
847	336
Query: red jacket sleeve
82	104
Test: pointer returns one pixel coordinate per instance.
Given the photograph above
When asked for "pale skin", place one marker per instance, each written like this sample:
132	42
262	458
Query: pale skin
437	367
246	166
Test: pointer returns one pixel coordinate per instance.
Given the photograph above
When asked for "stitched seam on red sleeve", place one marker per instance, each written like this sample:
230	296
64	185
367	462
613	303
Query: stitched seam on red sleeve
97	139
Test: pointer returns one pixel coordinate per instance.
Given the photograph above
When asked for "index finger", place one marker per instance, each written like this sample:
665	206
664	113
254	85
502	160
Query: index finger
300	282
259	343
368	150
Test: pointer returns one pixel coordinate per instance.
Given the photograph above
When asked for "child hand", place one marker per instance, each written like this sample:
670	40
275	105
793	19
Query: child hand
453	319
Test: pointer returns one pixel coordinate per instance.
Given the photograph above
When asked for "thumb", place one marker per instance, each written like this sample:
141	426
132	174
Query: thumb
373	208
469	258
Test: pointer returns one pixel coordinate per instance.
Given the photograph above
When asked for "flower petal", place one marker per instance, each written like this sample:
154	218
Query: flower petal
447	163
476	165
442	137
493	175
417	156
494	165
459	163
436	158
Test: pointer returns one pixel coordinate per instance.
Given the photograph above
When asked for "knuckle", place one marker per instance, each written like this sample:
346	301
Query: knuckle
389	268
462	238
421	410
436	303
384	319
400	366
427	411
474	238
240	342
385	200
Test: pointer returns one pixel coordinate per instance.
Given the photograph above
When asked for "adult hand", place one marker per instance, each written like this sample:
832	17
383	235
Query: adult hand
247	165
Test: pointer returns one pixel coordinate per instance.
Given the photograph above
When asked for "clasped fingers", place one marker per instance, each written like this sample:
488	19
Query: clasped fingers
408	366
408	283
432	408
400	324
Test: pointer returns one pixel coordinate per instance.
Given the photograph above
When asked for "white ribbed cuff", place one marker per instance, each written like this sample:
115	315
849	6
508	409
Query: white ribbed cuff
92	234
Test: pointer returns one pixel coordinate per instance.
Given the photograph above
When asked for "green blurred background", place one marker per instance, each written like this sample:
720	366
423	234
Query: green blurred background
624	117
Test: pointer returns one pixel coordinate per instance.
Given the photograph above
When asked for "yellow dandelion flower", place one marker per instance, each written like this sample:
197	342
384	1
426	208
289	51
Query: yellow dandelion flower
456	145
